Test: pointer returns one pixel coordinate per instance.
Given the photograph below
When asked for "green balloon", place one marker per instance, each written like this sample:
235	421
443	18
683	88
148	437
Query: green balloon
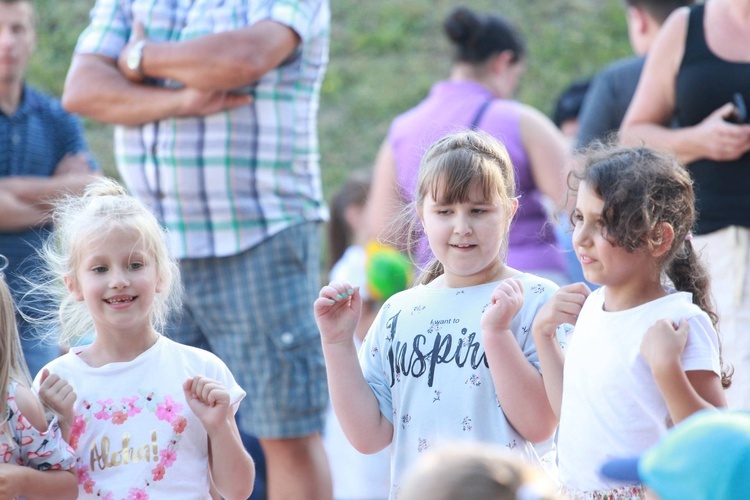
388	272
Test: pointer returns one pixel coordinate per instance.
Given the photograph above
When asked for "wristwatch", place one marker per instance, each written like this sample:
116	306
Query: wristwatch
135	57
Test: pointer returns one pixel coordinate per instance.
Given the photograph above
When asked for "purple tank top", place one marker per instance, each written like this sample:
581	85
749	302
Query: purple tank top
451	107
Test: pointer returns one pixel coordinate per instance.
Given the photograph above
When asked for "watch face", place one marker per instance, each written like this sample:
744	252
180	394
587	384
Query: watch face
134	57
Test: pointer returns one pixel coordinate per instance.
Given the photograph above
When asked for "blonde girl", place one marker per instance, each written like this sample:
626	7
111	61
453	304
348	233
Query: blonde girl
147	417
451	359
35	461
645	353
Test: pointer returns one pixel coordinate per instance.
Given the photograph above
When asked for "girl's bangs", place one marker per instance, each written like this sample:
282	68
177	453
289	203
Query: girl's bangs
450	185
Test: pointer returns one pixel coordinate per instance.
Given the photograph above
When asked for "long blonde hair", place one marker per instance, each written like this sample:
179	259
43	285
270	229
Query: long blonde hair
12	364
103	207
449	170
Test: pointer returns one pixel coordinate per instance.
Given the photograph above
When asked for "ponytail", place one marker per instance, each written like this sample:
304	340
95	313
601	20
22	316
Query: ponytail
688	274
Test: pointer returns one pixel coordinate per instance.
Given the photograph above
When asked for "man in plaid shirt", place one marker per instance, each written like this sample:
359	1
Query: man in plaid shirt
215	105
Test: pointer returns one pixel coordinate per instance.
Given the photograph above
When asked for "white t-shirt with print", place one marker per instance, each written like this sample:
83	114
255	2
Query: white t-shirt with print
425	361
611	405
134	433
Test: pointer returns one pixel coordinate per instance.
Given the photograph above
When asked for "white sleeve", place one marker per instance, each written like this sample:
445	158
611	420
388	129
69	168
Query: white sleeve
217	370
373	358
702	348
537	292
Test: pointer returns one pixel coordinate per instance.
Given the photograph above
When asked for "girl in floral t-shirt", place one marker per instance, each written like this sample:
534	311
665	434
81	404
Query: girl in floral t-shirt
148	417
26	438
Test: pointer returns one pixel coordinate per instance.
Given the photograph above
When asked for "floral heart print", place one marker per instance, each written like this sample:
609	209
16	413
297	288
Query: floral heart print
165	409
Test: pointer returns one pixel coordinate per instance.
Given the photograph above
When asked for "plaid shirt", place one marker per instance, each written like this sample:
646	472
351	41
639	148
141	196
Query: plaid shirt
226	182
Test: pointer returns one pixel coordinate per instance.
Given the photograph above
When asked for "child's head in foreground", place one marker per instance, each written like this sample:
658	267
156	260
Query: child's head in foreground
476	471
83	226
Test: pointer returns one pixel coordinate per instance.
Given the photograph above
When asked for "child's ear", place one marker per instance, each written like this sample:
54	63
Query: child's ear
513	207
663	238
420	214
72	285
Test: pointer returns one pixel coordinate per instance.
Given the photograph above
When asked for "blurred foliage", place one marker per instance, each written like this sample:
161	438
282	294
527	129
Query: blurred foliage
385	56
58	25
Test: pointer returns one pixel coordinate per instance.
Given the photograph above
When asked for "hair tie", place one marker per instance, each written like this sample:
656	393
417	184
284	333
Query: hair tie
689	237
4	263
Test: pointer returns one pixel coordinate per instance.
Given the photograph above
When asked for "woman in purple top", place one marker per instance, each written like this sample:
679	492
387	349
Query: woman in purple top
488	61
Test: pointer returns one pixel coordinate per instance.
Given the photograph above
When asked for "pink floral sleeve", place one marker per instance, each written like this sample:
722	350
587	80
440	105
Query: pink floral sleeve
29	447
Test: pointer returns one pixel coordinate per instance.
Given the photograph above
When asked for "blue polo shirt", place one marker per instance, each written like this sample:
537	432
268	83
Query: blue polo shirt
32	142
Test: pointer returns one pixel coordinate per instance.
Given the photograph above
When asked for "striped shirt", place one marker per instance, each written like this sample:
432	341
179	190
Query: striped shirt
224	183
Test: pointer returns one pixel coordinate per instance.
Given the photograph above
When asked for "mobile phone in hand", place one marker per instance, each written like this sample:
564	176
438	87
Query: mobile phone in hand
739	115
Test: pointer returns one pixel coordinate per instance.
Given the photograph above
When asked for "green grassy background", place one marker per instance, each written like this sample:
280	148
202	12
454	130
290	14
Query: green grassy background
385	55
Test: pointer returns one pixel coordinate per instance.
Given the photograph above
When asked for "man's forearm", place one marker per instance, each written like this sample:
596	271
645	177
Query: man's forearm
682	142
43	190
221	61
25	202
95	88
16	215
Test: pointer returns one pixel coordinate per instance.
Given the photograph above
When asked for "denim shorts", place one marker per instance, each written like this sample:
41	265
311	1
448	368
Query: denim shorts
255	311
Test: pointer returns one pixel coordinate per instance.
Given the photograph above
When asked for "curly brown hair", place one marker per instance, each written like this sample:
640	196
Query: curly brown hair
642	190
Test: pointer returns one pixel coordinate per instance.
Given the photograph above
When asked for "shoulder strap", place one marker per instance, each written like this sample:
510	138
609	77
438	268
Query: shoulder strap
479	114
695	41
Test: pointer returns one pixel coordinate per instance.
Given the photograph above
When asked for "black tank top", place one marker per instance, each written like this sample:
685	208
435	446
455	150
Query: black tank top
704	83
